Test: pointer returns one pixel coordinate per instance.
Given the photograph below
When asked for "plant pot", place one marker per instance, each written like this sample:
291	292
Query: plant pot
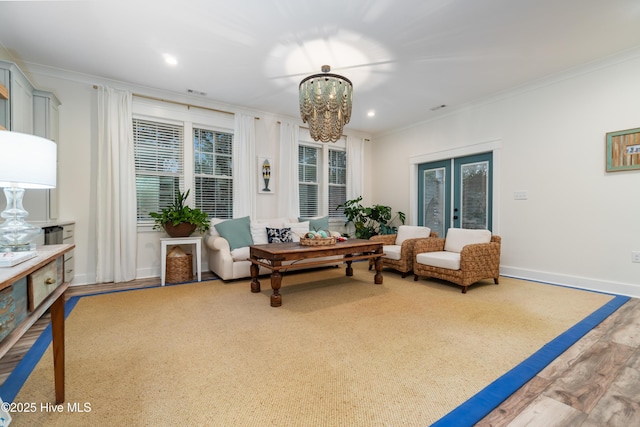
183	229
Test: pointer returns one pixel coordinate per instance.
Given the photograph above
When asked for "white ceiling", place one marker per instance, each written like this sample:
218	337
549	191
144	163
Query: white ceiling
404	57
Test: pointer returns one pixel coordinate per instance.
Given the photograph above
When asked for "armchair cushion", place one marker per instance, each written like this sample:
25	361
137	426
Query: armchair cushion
411	232
450	260
457	238
392	251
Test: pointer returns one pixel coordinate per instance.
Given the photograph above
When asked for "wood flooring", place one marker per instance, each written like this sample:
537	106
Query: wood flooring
595	383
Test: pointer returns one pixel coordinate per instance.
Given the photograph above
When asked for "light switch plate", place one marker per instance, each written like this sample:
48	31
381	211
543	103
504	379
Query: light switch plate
520	195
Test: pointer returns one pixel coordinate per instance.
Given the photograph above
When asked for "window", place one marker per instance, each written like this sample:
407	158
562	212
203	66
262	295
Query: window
213	168
158	149
337	182
308	180
322	180
163	163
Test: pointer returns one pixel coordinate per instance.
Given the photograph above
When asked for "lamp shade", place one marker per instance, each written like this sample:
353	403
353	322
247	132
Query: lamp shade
27	161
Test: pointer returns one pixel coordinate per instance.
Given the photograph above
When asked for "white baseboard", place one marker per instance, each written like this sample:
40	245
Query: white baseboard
141	273
586	283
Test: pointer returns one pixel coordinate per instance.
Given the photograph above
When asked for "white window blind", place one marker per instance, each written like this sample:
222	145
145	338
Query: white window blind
337	182
213	172
158	151
308	183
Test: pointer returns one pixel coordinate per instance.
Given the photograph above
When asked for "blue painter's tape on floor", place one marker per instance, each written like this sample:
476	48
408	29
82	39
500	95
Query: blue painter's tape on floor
485	401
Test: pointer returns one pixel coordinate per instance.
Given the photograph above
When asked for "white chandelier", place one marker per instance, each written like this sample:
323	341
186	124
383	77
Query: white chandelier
325	104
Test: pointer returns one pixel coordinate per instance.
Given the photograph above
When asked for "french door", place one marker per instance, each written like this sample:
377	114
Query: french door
456	193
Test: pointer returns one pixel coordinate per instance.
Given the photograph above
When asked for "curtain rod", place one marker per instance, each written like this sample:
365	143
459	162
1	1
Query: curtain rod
153	98
304	127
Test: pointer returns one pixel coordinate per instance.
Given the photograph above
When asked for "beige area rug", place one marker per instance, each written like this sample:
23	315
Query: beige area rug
339	352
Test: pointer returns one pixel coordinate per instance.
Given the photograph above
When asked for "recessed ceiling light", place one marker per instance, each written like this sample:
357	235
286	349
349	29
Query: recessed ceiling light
170	59
371	113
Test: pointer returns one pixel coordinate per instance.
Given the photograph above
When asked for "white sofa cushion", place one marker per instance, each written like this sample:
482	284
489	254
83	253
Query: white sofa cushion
450	260
273	222
457	238
391	251
298	229
259	228
240	254
259	233
411	232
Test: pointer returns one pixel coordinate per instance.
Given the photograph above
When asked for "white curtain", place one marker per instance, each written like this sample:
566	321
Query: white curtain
116	194
355	167
288	199
245	175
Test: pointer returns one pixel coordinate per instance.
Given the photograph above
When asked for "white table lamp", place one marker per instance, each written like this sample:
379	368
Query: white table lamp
26	161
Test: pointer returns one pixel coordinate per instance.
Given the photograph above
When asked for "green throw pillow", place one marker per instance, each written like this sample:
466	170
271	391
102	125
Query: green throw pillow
317	223
236	231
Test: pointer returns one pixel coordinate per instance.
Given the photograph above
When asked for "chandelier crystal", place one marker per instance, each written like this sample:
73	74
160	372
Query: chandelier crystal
325	104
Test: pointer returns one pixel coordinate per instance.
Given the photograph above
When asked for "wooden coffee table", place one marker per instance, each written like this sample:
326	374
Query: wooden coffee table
273	255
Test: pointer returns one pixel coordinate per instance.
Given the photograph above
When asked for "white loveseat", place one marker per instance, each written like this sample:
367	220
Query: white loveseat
229	262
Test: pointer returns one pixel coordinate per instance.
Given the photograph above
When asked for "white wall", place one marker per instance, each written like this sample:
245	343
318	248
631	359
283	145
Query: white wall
579	224
77	151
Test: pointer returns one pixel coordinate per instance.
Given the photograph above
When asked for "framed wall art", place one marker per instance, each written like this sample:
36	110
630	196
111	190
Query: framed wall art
623	150
265	175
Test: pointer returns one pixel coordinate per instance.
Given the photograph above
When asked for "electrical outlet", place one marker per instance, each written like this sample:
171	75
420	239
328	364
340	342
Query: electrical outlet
635	256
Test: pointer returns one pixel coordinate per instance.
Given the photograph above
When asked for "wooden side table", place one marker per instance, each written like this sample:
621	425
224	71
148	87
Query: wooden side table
167	241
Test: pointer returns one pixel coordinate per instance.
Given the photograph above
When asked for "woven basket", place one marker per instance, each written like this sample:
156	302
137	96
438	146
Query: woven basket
305	241
179	269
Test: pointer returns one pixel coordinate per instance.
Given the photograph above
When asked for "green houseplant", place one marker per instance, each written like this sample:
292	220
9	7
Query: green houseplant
180	220
370	221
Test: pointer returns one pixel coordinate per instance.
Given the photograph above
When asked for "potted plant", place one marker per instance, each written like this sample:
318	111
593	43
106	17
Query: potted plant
180	220
370	221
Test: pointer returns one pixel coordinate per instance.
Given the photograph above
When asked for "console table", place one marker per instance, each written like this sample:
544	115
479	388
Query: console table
27	291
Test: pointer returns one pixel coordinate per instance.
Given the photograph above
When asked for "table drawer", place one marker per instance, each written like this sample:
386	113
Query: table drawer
44	281
69	266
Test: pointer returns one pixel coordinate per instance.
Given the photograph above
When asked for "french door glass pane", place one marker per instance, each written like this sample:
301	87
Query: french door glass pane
475	195
434	181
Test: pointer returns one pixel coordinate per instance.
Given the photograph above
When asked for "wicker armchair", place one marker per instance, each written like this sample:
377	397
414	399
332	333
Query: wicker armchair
457	262
400	257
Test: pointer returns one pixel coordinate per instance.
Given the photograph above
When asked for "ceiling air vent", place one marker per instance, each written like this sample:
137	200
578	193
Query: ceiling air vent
196	92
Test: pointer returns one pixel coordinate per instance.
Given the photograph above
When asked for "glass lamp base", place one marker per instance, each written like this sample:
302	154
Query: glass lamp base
16	235
18	247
